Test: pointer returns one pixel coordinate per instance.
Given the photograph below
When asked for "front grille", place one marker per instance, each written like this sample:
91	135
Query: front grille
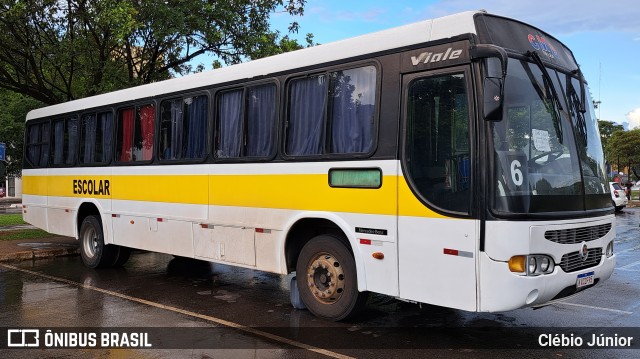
578	235
572	262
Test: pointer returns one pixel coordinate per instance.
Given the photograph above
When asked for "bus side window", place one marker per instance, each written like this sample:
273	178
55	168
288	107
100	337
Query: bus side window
65	141
332	113
136	127
96	138
38	144
246	122
183	128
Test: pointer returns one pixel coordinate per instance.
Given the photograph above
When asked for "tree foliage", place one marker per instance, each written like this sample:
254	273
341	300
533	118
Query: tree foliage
15	108
59	50
623	149
607	129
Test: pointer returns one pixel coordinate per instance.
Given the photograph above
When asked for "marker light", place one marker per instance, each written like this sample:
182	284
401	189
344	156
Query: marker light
516	264
609	251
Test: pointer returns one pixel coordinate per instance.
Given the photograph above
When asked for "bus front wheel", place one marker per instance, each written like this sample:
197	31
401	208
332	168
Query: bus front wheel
93	251
327	279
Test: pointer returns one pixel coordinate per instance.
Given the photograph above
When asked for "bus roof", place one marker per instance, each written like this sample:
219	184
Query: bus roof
407	35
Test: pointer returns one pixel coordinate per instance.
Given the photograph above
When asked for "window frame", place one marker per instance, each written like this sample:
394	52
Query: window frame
207	144
97	111
407	81
215	130
136	106
326	143
65	118
37	122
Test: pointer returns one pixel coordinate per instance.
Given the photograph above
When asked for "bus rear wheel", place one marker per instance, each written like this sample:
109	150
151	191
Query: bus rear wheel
94	252
327	279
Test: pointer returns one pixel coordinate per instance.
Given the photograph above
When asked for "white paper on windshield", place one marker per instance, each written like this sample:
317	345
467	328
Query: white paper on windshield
541	140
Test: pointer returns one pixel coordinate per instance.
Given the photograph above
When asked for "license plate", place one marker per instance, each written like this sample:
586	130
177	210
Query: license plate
585	279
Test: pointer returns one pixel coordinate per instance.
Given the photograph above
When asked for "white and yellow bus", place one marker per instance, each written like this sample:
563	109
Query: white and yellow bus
454	161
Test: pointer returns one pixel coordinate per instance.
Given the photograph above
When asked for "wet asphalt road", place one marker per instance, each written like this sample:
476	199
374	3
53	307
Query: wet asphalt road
246	313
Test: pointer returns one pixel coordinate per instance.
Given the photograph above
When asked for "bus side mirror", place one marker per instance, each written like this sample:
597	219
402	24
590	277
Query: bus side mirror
493	97
493	86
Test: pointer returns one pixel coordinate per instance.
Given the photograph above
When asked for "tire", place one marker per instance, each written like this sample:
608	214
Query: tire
122	256
327	279
94	253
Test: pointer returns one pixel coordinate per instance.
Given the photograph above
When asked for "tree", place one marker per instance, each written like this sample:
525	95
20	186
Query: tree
607	128
60	50
624	148
272	44
12	117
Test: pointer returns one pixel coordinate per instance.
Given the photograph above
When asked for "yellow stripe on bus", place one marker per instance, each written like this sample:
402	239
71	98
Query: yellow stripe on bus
297	192
310	192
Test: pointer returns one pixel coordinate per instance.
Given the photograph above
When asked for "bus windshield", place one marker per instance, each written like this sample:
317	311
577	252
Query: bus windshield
547	152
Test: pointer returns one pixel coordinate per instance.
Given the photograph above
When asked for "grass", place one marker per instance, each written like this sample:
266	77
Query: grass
23	234
8	220
11	220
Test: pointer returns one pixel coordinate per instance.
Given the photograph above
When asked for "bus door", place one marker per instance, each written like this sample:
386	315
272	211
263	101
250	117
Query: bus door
437	235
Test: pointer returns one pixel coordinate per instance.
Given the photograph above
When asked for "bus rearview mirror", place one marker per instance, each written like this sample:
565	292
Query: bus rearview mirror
496	72
493	98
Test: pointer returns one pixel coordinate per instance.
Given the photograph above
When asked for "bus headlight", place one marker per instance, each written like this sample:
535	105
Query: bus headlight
544	264
532	265
609	251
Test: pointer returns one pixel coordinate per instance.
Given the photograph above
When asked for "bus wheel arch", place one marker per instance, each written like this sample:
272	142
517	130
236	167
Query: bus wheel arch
325	261
94	249
86	209
303	230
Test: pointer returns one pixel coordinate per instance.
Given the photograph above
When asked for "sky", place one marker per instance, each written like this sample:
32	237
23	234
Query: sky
603	35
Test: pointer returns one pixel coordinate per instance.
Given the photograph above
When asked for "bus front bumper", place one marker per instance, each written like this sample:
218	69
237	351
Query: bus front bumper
502	290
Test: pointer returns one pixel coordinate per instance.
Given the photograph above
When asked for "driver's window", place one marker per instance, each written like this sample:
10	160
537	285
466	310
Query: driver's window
438	147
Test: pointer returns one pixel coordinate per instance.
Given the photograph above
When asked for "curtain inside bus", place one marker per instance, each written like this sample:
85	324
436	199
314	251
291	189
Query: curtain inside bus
230	124
353	97
196	126
126	126
306	116
261	120
147	126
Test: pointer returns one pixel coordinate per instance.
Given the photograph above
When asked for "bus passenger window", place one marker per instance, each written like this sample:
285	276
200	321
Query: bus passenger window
230	116
353	99
38	144
135	133
65	142
183	128
96	138
261	120
246	122
332	113
307	99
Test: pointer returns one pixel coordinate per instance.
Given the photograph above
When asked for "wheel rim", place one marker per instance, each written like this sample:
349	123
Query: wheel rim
90	242
325	278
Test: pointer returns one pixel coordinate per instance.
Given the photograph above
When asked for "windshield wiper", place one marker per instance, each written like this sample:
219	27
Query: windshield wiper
578	107
583	95
549	94
538	61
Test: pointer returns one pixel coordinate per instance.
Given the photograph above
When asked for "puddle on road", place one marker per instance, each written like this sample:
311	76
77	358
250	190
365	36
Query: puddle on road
44	245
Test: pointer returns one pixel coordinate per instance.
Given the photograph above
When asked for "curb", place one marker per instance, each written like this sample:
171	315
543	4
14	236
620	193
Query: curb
39	254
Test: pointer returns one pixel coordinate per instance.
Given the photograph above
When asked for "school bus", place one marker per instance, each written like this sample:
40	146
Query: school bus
455	161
